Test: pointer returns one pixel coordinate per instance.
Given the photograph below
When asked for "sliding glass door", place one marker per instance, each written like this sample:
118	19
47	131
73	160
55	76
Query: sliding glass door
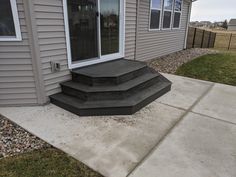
95	29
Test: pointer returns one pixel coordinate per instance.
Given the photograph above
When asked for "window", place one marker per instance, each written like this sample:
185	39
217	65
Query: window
167	13
177	13
9	21
155	14
168	10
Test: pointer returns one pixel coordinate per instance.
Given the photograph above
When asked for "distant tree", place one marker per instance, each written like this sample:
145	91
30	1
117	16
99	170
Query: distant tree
225	24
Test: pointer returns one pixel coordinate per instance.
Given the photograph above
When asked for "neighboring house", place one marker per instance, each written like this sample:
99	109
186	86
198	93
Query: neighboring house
38	34
232	25
205	24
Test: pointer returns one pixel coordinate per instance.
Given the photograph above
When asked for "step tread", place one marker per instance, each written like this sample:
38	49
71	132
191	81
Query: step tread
111	88
130	101
111	69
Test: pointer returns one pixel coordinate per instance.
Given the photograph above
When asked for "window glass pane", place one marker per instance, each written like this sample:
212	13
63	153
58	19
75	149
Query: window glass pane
178	4
166	19
7	27
156	4
155	19
83	29
176	20
168	4
110	23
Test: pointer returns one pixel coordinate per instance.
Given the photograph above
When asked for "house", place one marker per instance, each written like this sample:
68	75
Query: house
41	41
201	24
232	25
205	24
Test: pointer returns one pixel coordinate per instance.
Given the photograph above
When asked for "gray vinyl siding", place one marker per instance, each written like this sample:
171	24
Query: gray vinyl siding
232	28
52	40
130	28
152	44
17	84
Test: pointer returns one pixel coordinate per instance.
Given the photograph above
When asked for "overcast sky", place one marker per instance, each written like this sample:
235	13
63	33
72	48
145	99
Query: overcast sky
213	10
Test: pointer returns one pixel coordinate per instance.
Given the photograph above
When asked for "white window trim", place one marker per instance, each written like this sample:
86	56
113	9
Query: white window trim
171	19
150	12
180	15
100	59
16	21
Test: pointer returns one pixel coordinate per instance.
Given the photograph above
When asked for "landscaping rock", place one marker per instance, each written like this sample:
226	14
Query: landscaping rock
170	63
15	140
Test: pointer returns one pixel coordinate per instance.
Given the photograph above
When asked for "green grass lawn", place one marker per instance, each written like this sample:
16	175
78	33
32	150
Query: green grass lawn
44	163
219	68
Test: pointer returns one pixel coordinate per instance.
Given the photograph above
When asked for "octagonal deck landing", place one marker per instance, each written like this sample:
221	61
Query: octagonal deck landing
120	87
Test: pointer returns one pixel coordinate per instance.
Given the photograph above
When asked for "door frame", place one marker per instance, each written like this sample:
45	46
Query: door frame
99	59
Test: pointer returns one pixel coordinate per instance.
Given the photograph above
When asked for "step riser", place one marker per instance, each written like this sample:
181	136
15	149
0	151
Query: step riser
112	110
152	98
132	75
65	106
94	112
116	95
82	79
123	110
75	93
108	81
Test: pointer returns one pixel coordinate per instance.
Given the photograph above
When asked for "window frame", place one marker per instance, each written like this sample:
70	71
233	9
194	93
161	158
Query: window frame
171	16
174	11
150	13
16	22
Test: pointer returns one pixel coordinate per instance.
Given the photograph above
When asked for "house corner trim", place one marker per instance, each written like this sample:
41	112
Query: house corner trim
35	51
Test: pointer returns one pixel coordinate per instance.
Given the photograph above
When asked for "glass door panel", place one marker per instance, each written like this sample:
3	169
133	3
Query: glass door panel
109	26
94	30
83	26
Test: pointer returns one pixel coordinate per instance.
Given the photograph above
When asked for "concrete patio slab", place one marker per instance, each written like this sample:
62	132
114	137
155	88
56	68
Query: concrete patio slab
197	147
202	144
184	92
219	103
111	145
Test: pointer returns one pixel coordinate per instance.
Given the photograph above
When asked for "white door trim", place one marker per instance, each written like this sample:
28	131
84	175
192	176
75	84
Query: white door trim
101	59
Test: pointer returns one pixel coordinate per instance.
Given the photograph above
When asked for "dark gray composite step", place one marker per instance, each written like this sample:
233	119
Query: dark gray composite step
119	87
109	92
112	107
110	73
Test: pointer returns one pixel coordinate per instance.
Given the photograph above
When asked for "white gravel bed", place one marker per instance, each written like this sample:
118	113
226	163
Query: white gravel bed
170	63
15	140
